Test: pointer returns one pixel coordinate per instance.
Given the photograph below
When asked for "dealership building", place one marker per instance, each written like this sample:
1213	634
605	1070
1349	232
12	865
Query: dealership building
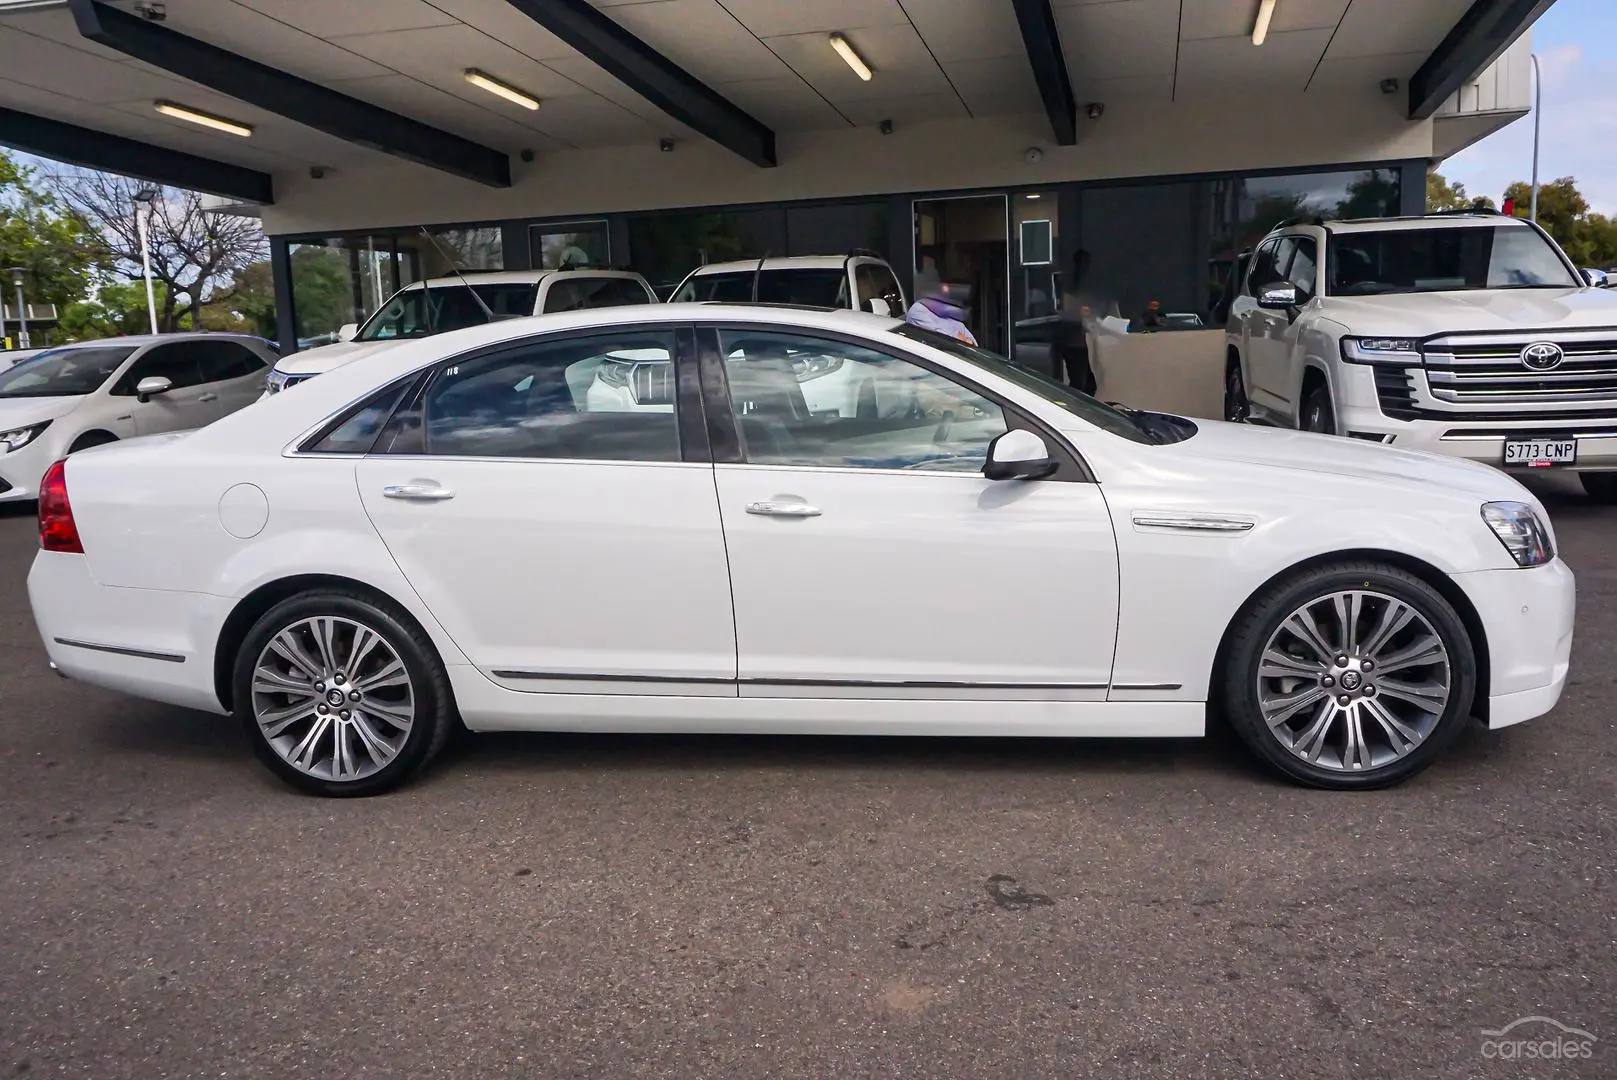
989	140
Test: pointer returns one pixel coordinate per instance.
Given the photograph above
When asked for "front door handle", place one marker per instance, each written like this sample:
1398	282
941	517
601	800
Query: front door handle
208	397
418	491
783	509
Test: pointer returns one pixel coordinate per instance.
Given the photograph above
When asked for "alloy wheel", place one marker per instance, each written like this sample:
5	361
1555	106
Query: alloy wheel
1354	680
333	698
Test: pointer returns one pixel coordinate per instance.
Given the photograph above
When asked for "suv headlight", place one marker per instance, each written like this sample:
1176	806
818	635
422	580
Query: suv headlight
1381	350
1519	528
17	438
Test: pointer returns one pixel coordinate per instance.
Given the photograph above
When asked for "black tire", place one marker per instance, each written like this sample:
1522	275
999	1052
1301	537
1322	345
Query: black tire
1317	413
1236	406
434	715
91	438
1237	682
1601	487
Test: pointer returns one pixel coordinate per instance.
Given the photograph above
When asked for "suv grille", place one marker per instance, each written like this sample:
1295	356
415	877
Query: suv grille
1483	377
1395	390
653	384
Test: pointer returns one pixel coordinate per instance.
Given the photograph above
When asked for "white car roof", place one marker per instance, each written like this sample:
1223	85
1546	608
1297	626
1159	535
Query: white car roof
517	277
805	262
138	341
1434	221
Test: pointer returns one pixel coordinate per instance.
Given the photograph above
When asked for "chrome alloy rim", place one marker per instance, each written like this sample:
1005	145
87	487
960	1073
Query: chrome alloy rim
332	698
1353	680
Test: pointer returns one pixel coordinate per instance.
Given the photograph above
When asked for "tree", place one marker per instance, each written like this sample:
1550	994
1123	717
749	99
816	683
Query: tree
1442	195
56	246
1588	239
116	309
194	254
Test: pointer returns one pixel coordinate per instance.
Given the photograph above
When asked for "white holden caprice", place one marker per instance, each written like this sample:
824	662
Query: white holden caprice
450	533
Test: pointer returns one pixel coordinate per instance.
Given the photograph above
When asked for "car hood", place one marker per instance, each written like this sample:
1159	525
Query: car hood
324	359
22	411
1279	450
1424	314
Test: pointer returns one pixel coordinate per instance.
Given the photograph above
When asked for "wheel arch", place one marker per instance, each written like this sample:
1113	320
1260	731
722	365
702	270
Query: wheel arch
97	437
1445	585
252	607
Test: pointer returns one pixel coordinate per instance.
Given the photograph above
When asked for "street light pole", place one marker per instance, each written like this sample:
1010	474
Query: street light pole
1538	94
143	200
22	310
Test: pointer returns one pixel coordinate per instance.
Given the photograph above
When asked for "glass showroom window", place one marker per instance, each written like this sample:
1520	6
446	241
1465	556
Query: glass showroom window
337	281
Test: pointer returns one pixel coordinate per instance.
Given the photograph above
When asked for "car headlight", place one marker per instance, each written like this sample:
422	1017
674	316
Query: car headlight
815	367
1381	350
1519	528
17	438
614	372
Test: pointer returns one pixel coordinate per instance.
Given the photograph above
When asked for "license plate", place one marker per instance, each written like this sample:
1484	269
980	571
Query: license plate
1541	453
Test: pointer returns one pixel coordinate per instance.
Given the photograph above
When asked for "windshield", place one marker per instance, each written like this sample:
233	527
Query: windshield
1444	260
798	286
416	313
63	372
1129	425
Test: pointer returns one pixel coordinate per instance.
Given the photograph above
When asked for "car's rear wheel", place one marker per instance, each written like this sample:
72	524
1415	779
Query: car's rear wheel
1601	487
1318	414
341	695
1236	406
1349	676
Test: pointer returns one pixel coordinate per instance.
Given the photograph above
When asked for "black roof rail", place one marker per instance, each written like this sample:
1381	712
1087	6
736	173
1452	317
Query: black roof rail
1486	211
1301	219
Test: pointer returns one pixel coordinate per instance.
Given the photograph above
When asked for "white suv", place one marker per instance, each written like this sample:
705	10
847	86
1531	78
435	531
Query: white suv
859	281
442	304
1464	334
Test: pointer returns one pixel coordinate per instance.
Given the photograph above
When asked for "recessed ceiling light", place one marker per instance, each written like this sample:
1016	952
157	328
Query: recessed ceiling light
1260	28
855	61
494	86
207	120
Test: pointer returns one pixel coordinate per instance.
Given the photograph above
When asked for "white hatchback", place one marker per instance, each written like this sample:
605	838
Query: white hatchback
453	532
77	396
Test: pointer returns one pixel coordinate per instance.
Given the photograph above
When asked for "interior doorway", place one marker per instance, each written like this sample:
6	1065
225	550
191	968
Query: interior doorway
964	240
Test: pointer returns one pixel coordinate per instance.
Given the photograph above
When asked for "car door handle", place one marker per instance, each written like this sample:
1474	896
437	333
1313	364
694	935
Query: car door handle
783	509
208	397
418	491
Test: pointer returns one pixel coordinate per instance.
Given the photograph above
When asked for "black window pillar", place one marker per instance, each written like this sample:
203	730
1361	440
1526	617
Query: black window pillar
286	325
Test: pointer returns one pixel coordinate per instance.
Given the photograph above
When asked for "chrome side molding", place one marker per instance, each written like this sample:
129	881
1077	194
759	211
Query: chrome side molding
1192	522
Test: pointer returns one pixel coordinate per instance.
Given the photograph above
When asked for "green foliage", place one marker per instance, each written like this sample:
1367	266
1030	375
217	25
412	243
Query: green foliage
117	308
1442	195
1588	239
58	248
322	294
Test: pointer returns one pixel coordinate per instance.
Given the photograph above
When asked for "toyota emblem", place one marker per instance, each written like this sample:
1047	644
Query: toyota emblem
1542	356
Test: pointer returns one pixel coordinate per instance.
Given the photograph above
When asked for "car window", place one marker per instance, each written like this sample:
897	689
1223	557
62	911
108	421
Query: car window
223	360
177	362
1264	271
802	286
1300	270
1444	260
356	432
809	401
63	372
603	397
414	313
578	293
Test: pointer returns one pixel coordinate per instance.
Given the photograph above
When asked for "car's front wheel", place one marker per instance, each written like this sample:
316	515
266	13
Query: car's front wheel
1236	405
1601	487
1349	676
341	695
1318	415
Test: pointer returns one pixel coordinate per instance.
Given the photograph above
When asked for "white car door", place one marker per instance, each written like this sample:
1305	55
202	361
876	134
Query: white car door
562	549
870	557
188	403
1264	329
233	373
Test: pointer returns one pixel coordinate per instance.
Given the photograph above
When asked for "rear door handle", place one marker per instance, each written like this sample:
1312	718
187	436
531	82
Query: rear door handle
783	509
418	491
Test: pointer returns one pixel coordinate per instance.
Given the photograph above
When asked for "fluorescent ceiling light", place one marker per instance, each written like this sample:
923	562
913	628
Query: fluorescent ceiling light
499	89
855	61
1260	29
207	120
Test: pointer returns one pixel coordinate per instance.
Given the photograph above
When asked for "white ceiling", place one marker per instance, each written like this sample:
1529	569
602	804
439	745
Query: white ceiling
933	59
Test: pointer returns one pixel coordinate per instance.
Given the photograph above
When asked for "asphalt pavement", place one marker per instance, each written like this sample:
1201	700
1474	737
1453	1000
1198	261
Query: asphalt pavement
602	907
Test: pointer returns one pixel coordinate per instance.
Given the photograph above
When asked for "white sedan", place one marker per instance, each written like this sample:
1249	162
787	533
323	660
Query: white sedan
450	533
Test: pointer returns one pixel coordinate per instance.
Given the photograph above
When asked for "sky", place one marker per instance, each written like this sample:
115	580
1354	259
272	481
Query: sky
1576	44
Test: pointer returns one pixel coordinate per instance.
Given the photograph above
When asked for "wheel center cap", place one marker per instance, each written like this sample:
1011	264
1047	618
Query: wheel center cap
1351	680
335	698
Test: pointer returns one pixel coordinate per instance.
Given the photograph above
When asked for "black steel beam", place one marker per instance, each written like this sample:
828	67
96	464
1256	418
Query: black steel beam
653	76
1044	52
1477	40
296	99
114	153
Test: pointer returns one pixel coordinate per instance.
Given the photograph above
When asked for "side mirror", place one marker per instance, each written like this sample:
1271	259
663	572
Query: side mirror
151	386
1278	296
878	306
349	332
1019	455
1595	278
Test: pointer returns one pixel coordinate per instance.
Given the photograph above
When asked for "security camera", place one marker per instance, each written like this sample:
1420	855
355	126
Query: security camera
151	12
1094	110
1389	86
885	127
317	172
1033	155
526	155
666	145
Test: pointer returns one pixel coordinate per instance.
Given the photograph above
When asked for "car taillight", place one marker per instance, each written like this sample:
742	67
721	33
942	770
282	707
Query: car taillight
57	530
